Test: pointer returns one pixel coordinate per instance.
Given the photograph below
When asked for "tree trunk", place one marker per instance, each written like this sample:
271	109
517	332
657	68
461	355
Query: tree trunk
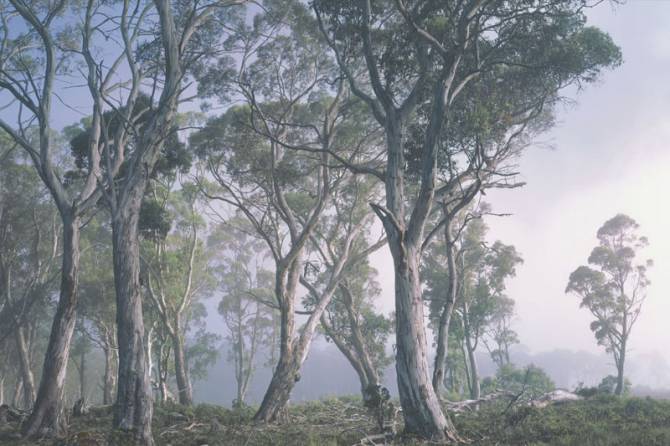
134	404
447	311
620	379
47	417
421	408
181	369
18	392
27	378
475	388
82	375
276	397
367	375
286	372
111	366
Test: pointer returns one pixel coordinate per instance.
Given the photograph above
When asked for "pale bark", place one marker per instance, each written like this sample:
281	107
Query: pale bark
470	346
447	311
134	403
109	380
181	370
27	378
47	417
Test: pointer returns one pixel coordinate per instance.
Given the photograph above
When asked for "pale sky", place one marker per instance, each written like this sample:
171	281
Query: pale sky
610	153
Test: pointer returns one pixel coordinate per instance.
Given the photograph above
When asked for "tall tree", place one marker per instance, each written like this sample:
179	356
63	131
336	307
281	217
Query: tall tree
29	249
276	158
161	54
32	59
398	55
176	271
613	288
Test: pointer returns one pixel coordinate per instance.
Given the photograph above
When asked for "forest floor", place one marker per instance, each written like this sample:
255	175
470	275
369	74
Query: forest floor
344	421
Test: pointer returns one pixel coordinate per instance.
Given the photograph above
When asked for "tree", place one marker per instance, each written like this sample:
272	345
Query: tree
275	159
527	383
32	59
175	268
247	288
613	288
400	57
160	54
482	270
358	331
500	334
29	250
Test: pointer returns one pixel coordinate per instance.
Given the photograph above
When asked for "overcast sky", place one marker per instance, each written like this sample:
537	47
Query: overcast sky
610	153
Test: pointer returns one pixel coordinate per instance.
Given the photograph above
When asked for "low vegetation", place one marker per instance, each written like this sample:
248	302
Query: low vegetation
600	420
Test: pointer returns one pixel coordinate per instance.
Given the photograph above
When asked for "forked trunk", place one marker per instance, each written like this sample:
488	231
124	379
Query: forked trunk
47	417
181	370
134	404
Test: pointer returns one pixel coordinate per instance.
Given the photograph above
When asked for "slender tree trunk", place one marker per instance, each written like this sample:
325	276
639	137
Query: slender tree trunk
367	375
82	375
47	417
447	311
134	403
181	369
111	366
18	392
27	378
475	388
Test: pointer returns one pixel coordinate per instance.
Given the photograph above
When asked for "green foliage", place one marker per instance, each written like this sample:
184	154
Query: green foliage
607	386
529	382
602	421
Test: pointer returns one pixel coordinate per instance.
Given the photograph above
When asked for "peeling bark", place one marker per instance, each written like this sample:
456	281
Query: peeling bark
47	417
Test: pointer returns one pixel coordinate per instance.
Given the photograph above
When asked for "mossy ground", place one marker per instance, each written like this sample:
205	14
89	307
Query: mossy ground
343	421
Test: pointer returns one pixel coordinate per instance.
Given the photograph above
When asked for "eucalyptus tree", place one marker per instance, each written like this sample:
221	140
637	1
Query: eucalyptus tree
29	249
34	58
276	159
501	336
338	268
613	287
403	57
246	302
482	270
158	45
176	271
357	329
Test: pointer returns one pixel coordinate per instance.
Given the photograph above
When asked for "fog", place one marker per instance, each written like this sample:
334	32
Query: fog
608	154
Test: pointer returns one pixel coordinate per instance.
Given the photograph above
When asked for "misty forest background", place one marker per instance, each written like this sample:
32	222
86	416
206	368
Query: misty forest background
256	204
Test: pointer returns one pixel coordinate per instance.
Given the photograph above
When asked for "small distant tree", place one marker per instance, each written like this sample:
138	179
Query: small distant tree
528	383
247	289
501	336
613	287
